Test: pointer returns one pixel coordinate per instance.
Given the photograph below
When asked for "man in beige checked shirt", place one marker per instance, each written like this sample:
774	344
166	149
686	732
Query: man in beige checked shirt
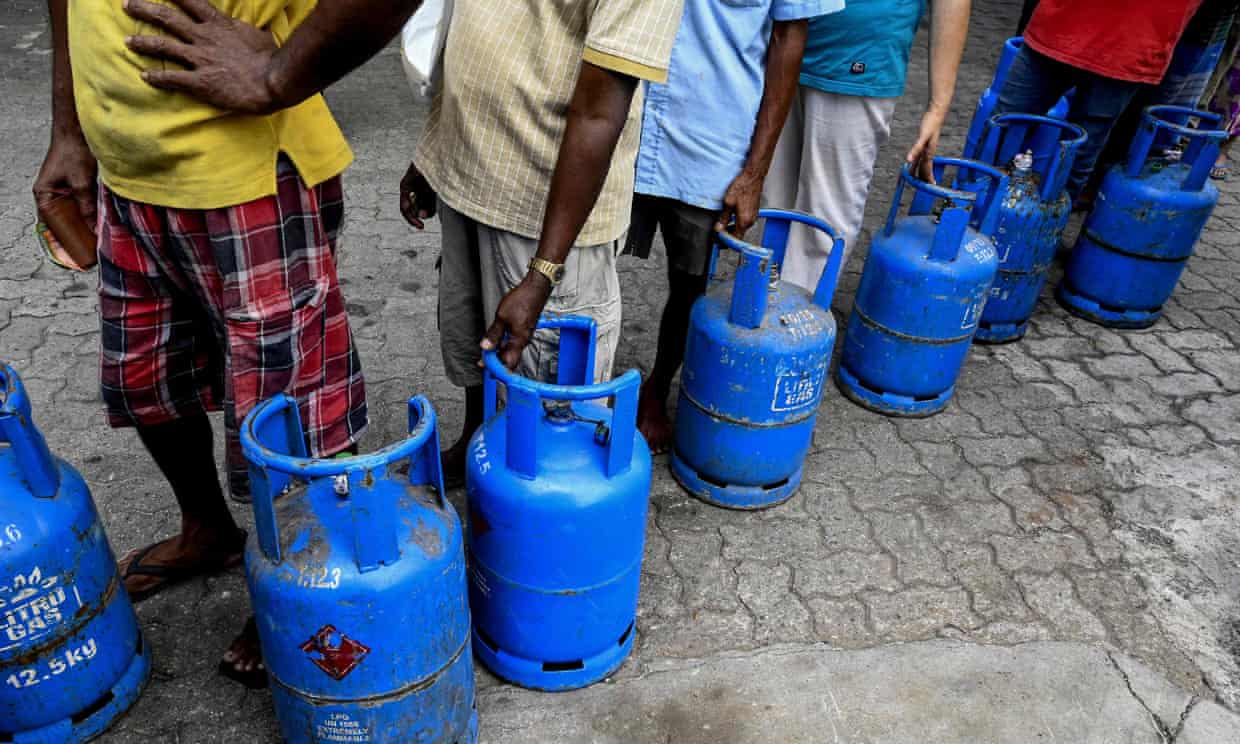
528	160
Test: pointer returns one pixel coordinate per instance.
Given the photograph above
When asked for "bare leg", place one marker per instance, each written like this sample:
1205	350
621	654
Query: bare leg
652	419
454	457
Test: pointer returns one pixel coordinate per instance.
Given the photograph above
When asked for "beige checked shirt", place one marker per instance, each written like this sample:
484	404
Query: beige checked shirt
493	133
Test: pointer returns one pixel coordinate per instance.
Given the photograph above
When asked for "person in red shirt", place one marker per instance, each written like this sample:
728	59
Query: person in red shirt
1106	49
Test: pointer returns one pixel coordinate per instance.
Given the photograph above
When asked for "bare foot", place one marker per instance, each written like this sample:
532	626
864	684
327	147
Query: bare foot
243	661
652	420
146	571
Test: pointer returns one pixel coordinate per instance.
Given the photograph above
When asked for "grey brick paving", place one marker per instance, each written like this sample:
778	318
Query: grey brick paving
1081	488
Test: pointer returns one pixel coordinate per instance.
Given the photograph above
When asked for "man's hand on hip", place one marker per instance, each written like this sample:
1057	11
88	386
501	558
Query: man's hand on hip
226	60
517	316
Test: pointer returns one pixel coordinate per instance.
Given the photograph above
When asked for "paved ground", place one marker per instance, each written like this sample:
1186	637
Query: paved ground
1080	491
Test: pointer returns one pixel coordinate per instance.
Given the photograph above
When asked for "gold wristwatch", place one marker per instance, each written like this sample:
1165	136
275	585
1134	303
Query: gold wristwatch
553	271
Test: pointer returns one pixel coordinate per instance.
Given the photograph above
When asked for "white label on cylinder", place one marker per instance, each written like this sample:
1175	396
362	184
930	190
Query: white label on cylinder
797	389
341	727
32	606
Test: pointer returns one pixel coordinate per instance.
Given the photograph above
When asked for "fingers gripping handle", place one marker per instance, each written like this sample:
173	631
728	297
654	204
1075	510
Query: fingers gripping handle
524	407
35	463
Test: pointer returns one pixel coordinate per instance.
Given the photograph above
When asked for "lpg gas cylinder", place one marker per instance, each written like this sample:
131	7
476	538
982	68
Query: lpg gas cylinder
922	293
557	484
755	362
989	98
357	577
1147	217
72	658
1037	152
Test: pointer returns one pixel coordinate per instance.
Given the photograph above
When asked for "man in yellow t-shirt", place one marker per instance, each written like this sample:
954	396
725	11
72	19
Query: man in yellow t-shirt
219	202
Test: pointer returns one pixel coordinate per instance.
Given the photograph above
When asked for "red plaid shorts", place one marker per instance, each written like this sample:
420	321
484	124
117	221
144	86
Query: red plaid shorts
224	308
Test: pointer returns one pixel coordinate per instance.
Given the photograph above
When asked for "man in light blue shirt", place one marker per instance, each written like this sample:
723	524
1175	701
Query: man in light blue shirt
708	135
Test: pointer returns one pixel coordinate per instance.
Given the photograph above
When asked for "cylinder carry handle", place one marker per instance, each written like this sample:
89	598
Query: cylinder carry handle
275	446
961	208
750	286
574	378
778	226
1054	144
1203	146
35	464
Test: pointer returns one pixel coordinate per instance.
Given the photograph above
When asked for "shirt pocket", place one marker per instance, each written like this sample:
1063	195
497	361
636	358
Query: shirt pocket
278	347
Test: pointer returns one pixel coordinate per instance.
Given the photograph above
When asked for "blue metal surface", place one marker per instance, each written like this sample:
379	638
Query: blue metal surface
987	101
922	293
1032	215
357	577
72	658
755	362
558	485
1145	222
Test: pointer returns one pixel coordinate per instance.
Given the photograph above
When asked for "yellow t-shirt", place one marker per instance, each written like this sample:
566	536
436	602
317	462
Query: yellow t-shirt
171	150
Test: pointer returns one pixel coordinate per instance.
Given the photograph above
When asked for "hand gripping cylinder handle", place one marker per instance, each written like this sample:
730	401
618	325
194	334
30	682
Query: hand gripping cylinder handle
753	273
576	371
1007	134
1202	151
962	209
35	463
275	445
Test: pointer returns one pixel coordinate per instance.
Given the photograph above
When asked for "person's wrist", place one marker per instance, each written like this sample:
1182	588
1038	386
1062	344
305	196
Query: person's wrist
937	112
272	86
537	280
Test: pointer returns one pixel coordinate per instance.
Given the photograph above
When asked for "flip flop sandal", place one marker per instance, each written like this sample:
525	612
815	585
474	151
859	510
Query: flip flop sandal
173	575
1220	172
256	678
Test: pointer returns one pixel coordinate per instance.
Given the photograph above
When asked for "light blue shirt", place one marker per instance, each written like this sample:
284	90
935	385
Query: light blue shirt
697	126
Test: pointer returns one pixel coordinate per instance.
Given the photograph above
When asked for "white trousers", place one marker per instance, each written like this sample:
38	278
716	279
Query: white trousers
823	165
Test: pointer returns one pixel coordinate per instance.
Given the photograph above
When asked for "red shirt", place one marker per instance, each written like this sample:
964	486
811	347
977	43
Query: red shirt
1123	39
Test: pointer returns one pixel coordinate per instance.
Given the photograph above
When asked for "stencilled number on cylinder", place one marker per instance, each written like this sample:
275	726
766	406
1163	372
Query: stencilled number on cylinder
319	578
341	727
480	455
55	666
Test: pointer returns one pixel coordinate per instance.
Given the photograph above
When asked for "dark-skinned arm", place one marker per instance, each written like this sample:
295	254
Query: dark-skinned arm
69	166
235	66
596	116
783	70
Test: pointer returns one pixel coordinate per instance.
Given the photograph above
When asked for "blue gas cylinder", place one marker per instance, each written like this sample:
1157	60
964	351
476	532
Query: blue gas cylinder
1037	152
72	658
557	484
1147	217
357	577
755	362
989	98
922	293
